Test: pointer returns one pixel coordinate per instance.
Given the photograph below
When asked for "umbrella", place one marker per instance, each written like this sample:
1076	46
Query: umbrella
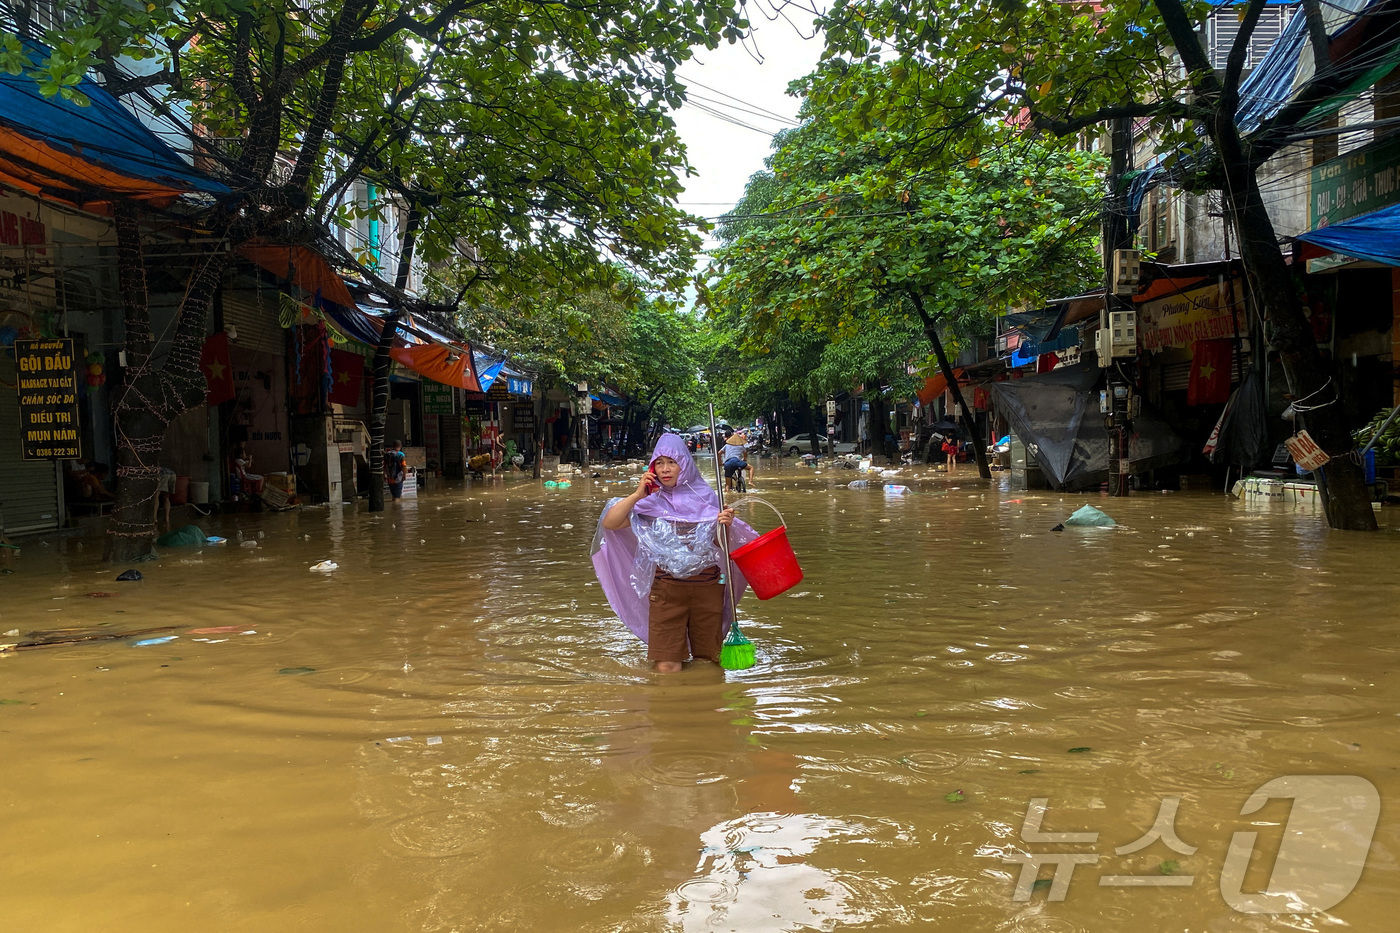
698	429
945	426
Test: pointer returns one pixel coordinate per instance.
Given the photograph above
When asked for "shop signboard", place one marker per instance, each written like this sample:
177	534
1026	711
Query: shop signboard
437	398
523	418
48	399
1203	313
1305	451
517	385
1359	182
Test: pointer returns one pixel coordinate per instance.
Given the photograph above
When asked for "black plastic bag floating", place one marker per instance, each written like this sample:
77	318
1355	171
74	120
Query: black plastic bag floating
129	576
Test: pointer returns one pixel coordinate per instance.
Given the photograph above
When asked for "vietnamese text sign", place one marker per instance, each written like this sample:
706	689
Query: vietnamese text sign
1198	314
1356	183
1305	451
48	399
437	398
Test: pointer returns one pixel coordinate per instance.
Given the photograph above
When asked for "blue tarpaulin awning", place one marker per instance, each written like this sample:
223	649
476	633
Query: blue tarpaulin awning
86	156
1374	236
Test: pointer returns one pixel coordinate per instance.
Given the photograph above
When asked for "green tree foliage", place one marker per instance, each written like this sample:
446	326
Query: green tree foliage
533	136
830	242
961	70
620	336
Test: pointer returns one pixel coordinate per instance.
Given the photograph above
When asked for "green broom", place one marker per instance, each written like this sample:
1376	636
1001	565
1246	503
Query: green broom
736	654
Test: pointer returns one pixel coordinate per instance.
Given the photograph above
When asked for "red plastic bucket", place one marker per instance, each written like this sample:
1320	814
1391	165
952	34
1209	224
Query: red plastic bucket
768	562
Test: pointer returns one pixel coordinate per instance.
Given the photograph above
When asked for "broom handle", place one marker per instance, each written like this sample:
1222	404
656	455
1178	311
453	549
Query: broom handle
719	488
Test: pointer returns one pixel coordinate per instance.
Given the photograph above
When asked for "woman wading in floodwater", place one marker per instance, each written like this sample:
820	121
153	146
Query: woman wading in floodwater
658	558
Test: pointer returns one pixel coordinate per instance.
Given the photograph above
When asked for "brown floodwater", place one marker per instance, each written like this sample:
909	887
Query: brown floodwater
452	733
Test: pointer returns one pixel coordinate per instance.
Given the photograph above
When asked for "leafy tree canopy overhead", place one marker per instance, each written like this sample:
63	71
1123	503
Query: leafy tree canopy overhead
619	336
829	239
964	71
536	131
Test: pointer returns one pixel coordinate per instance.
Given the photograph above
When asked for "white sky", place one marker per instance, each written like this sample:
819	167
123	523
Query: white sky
725	155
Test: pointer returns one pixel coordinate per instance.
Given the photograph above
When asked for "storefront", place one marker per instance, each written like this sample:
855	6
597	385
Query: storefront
31	487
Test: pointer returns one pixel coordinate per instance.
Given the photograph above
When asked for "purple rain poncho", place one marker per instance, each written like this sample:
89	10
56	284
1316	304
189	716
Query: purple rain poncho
673	529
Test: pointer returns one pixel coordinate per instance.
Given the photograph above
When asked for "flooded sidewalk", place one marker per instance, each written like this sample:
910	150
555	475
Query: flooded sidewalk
451	732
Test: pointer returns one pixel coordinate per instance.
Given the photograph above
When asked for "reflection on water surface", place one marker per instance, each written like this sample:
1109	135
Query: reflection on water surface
929	678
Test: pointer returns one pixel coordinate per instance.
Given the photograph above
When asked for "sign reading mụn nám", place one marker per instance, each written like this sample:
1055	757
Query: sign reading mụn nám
1359	182
48	399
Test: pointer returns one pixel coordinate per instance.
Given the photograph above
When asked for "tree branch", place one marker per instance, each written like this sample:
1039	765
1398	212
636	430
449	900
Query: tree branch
1317	36
1188	45
1161	108
1234	63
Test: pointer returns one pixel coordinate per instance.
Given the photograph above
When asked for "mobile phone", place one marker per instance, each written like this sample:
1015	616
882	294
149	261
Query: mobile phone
652	487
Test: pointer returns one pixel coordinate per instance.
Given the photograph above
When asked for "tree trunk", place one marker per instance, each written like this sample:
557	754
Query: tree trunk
379	410
539	408
150	398
1342	481
383	365
979	450
812	415
878	424
1346	497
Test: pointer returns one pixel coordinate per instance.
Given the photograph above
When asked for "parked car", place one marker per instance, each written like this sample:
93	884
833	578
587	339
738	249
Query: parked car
802	444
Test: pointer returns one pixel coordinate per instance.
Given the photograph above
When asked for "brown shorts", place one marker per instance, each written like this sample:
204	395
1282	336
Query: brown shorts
687	617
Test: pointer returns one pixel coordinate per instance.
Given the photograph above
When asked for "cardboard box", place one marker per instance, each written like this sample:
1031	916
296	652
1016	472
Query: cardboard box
274	497
287	482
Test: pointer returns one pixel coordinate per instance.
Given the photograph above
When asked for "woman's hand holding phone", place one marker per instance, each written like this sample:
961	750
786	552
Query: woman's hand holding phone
649	484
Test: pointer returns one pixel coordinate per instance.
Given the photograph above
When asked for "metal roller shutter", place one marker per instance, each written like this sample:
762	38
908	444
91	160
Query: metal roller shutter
29	493
1176	376
254	311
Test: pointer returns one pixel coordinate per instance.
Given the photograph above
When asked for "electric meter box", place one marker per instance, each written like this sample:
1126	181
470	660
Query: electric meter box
1127	271
1117	337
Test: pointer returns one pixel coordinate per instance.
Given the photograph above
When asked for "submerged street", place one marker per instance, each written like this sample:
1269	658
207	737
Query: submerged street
452	732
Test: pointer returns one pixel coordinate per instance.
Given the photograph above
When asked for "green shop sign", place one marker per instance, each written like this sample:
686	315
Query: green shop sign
437	398
1359	182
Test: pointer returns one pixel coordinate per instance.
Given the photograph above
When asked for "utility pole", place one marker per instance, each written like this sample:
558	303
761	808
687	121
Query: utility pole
1117	346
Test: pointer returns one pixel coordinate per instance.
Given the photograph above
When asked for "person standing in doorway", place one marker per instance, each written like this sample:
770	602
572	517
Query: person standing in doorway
395	468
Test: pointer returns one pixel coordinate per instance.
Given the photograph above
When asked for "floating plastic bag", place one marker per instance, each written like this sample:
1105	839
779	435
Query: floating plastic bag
188	536
1089	517
893	490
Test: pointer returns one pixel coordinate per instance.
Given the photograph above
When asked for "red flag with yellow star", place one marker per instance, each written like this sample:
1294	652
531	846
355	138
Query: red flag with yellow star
218	371
1210	372
347	376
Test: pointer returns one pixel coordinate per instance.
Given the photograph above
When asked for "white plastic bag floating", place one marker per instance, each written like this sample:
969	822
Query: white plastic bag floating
325	566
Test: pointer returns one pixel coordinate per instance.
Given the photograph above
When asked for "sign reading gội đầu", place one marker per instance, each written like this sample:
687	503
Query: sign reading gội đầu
48	399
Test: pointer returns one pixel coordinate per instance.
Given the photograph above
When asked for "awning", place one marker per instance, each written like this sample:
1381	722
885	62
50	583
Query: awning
451	366
609	400
1056	416
302	266
419	348
935	386
1374	236
86	156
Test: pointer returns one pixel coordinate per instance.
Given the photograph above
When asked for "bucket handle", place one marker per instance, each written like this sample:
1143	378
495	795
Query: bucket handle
743	499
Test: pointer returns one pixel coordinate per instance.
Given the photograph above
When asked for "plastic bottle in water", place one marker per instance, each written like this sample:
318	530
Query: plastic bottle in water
858	484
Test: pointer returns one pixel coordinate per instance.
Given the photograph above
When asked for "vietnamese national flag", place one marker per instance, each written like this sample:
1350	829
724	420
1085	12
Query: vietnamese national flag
1210	372
347	377
218	371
